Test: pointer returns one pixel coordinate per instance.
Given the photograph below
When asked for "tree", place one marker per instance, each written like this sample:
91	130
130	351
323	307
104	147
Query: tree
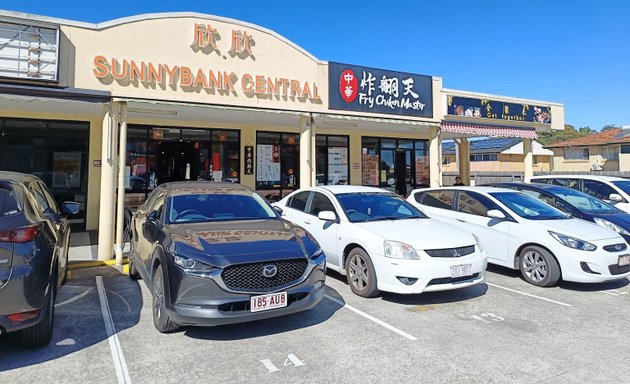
586	130
608	127
568	133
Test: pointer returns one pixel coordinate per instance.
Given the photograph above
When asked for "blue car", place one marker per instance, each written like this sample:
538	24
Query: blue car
577	204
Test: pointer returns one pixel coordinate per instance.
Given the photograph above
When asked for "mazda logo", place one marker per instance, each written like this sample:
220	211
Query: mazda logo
270	270
618	247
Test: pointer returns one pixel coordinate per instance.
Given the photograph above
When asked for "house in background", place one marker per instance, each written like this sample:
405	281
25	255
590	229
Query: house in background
603	151
497	155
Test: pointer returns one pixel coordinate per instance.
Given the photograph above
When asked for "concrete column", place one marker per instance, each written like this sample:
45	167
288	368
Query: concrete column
306	148
313	151
120	206
528	162
435	158
464	160
106	210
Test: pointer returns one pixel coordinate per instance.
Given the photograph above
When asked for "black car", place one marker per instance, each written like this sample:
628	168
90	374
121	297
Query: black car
34	239
218	253
577	204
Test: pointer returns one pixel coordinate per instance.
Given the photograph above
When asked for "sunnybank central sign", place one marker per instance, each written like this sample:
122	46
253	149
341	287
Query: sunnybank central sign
212	61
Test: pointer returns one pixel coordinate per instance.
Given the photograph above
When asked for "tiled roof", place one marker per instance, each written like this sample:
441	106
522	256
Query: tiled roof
483	146
610	136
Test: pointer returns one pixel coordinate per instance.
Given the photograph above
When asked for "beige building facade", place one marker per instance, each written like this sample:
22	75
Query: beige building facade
135	102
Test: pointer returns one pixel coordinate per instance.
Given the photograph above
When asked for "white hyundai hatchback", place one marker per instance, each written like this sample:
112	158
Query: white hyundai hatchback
383	243
521	232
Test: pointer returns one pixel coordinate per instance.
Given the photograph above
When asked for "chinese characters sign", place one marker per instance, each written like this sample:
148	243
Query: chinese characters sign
249	160
493	109
373	90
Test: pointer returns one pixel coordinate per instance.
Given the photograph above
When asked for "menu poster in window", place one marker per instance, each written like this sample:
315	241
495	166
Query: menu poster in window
267	163
337	165
370	169
422	170
66	170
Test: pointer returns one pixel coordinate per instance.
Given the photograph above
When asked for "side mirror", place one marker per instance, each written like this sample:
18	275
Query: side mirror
496	214
152	216
327	216
615	197
70	208
277	209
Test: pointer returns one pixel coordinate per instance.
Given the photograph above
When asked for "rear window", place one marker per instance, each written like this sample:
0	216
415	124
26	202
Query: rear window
9	204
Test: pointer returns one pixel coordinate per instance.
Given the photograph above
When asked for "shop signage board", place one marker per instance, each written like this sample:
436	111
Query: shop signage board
496	109
249	160
268	163
363	89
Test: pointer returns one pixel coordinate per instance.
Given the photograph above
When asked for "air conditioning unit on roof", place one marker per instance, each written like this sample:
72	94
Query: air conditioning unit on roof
596	167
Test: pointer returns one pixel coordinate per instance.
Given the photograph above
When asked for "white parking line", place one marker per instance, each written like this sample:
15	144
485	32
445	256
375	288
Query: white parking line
117	355
529	294
372	318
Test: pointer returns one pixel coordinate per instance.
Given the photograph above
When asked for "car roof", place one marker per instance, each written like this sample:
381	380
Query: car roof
194	186
17	177
589	177
552	188
338	189
481	189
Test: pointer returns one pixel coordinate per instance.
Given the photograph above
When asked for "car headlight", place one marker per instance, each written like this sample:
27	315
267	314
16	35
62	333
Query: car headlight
478	243
607	224
193	267
572	242
398	250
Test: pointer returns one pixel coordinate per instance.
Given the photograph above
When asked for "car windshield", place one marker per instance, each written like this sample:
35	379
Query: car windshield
624	185
585	203
218	206
370	206
529	207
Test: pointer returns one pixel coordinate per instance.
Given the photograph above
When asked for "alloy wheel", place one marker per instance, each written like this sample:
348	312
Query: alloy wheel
535	266
158	293
359	276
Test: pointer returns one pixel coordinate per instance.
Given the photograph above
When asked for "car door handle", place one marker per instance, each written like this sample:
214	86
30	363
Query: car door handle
461	219
308	221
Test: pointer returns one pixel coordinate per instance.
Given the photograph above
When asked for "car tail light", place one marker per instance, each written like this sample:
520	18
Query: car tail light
21	234
24	316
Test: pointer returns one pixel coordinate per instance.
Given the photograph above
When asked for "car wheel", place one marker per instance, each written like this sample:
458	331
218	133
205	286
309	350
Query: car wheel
40	334
133	270
160	317
360	273
539	267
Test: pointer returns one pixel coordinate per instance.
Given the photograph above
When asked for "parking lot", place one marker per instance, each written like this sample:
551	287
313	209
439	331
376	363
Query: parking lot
502	331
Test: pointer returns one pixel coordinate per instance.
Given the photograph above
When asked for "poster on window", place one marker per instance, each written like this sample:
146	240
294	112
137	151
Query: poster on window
370	169
422	170
268	163
337	165
66	170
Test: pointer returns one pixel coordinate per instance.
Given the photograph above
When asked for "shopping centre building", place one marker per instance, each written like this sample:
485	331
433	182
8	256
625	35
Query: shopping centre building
128	104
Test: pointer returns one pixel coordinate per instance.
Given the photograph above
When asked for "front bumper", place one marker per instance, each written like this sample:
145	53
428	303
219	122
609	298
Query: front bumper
202	302
591	267
432	273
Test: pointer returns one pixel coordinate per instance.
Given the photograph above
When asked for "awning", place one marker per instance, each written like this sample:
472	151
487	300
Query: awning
488	130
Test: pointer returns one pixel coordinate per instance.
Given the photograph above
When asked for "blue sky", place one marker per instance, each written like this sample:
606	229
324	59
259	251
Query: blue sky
573	52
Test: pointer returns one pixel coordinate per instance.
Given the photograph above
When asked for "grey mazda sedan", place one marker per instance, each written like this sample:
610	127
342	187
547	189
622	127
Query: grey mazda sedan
218	253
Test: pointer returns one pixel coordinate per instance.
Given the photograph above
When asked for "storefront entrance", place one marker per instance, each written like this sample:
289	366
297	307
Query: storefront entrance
177	161
398	165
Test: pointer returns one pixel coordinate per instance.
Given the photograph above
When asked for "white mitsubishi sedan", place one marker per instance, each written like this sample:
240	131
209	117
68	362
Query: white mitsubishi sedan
519	231
383	243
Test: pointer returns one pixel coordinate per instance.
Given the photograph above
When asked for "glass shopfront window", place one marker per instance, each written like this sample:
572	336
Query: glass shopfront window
157	155
398	165
54	151
331	159
277	164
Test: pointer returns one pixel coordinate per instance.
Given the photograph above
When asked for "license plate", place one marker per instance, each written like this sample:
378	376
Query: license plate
266	302
461	270
623	260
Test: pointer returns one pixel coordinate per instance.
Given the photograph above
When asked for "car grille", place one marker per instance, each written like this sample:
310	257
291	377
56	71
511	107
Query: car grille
616	247
249	277
451	280
451	252
617	270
